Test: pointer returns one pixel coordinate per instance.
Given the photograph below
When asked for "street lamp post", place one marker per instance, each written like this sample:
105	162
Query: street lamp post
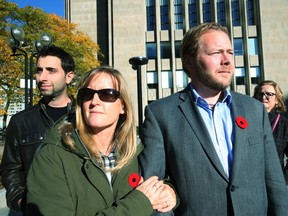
136	63
16	41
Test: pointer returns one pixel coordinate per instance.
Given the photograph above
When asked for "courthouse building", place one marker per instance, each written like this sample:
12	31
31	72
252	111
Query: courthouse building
154	29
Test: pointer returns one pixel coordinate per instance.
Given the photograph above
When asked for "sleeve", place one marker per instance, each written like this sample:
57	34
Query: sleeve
152	159
11	169
47	189
133	202
49	194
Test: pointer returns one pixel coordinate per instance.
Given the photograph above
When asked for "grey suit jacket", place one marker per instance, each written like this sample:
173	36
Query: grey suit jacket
178	145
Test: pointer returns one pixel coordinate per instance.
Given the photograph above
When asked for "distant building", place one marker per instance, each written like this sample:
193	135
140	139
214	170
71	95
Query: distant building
154	28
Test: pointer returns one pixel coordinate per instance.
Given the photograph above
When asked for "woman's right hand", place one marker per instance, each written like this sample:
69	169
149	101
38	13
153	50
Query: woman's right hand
151	187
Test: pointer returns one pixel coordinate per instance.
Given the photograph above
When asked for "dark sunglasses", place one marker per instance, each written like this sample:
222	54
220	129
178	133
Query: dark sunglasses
105	95
267	94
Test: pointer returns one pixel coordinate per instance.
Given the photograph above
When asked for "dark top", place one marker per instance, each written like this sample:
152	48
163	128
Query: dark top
280	134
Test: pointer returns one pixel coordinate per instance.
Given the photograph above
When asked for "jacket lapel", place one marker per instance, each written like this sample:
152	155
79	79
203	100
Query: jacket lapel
193	116
240	135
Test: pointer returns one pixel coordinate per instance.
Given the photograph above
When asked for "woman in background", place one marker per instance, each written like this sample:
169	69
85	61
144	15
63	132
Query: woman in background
271	95
89	164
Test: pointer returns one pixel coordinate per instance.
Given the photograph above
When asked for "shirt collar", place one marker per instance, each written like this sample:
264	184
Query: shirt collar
200	101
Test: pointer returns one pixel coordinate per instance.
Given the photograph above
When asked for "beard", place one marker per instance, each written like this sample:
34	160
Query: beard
206	78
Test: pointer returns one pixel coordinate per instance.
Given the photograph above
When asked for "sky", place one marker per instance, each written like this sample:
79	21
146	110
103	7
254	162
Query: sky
49	6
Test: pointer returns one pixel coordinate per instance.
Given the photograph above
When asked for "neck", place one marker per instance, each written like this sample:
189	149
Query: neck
60	101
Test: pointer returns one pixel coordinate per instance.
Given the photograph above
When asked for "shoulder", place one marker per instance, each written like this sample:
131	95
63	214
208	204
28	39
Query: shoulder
171	100
30	111
245	100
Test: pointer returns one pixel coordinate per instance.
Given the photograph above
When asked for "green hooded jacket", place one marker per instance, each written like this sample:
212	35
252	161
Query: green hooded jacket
62	182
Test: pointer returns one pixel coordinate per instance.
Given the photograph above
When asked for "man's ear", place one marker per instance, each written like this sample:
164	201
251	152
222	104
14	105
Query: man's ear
69	77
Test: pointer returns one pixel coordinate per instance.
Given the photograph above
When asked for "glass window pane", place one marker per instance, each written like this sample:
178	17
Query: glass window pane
167	79
253	46
165	49
238	46
181	79
151	50
152	77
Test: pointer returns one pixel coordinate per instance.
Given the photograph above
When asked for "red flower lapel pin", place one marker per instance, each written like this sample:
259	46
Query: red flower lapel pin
241	122
134	180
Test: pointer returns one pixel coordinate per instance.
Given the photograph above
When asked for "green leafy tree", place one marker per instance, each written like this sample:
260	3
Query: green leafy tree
34	22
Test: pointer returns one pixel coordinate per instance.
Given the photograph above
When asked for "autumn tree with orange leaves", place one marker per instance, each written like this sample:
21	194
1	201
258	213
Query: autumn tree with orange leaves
34	22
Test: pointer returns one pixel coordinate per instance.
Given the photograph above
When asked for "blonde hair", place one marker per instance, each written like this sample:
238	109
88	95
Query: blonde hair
191	41
280	107
124	141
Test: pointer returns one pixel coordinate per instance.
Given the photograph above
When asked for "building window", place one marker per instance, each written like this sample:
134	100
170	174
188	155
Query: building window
253	46
240	76
255	75
151	18
178	14
177	49
250	13
152	78
181	79
151	50
238	46
165	50
235	13
206	10
192	10
221	12
164	14
167	79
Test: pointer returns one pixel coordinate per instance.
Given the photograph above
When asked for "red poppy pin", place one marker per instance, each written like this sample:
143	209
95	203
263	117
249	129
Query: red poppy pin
134	179
241	122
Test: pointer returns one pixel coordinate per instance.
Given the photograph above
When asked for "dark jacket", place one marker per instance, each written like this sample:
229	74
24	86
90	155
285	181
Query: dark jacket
25	134
70	182
280	135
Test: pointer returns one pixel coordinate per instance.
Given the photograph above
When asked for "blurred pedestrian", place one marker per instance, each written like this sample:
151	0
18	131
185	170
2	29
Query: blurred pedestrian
271	95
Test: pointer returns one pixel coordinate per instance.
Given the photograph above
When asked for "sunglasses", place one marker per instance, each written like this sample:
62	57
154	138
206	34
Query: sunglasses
105	95
267	94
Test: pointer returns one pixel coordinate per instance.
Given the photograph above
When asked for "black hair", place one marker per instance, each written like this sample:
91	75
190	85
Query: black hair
67	61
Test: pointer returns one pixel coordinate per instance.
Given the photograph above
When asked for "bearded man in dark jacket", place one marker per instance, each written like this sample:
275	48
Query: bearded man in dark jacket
28	128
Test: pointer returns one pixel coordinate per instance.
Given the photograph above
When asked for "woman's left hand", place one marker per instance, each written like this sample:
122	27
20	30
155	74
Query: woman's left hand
166	199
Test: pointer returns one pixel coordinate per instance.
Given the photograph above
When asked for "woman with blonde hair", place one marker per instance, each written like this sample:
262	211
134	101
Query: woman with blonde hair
271	95
89	164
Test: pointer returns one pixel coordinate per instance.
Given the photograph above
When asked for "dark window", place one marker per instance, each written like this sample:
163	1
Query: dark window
164	14
177	49
151	50
151	18
238	46
235	13
165	48
250	13
192	10
206	11
178	14
221	12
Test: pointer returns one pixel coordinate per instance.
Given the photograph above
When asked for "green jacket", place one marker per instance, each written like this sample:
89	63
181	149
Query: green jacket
61	182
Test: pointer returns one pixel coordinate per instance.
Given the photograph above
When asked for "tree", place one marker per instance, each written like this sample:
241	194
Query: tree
34	22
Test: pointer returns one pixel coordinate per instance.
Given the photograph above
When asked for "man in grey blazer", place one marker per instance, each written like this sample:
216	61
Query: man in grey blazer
215	146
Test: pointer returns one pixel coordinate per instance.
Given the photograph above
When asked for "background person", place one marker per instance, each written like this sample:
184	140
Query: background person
271	95
27	129
215	145
87	166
